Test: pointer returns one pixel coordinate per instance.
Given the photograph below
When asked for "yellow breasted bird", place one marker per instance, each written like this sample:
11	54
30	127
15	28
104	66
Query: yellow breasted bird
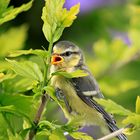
79	93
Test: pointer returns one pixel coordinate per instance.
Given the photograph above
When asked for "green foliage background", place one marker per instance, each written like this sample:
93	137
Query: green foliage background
115	64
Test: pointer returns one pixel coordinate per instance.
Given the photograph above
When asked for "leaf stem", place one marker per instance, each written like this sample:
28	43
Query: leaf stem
112	135
44	100
44	97
49	58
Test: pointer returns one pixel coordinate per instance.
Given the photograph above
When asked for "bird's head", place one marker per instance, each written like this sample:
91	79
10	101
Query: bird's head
66	55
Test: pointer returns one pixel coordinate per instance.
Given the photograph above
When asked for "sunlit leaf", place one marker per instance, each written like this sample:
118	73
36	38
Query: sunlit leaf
3	128
122	86
46	123
77	73
3	5
50	90
14	137
114	54
1	75
138	105
62	73
4	77
16	39
18	84
17	104
57	134
113	107
7	14
132	119
9	108
52	93
27	69
4	65
43	133
80	136
56	18
24	132
38	52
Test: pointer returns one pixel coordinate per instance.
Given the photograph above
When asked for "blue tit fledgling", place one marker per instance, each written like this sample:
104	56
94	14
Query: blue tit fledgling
79	93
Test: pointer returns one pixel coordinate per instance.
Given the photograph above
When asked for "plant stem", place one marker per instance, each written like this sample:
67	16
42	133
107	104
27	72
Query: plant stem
112	135
38	115
49	59
44	97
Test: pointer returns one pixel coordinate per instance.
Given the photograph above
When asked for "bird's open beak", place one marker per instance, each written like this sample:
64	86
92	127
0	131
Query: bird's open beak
56	59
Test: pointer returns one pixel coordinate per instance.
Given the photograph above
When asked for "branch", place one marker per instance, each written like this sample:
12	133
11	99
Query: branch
116	133
44	100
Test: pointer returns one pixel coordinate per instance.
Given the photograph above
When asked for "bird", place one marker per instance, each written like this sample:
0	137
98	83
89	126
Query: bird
76	96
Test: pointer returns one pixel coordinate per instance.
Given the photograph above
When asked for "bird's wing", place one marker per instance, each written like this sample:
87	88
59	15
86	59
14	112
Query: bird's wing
87	89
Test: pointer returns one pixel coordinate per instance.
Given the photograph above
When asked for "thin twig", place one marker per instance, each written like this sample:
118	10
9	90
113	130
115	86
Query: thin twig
112	135
116	133
44	100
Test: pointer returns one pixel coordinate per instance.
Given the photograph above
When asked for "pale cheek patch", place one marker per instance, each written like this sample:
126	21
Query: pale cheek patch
74	61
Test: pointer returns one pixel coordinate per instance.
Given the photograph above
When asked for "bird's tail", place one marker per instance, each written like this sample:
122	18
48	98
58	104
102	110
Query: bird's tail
114	128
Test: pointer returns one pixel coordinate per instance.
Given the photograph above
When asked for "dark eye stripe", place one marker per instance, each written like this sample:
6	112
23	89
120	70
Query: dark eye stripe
68	53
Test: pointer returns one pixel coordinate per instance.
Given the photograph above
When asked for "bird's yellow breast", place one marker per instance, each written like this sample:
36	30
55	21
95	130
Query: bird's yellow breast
79	108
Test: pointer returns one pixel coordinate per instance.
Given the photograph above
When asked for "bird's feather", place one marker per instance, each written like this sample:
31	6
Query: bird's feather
88	84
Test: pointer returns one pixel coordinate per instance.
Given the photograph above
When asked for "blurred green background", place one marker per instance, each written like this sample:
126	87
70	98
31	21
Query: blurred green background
108	31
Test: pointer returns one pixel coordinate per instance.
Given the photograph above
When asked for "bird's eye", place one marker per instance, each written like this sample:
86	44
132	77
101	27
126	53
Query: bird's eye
68	53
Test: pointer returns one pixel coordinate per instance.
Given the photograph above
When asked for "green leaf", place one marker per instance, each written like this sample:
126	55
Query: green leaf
4	77
38	52
18	105
27	69
18	84
1	76
43	133
13	137
13	34
111	87
56	18
3	5
10	13
77	73
4	65
62	73
9	108
57	134
70	16
80	136
24	133
3	128
138	105
113	108
47	123
132	119
50	91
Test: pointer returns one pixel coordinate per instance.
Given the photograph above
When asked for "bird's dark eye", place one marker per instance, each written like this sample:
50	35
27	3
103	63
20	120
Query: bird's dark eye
68	53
